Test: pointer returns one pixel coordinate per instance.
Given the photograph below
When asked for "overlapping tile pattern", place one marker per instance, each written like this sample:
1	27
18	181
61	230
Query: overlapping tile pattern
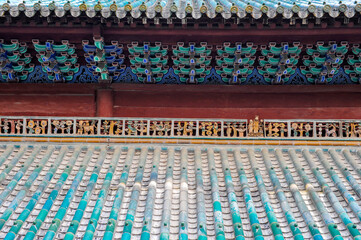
182	8
179	192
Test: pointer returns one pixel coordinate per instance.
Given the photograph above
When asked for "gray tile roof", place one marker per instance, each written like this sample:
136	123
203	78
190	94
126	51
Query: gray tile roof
179	192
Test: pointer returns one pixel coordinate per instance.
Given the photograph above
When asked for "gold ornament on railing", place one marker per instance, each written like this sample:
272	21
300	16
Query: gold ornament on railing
255	127
181	128
235	129
86	127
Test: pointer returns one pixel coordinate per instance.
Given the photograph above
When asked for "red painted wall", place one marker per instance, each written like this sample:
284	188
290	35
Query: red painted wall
181	101
240	102
46	100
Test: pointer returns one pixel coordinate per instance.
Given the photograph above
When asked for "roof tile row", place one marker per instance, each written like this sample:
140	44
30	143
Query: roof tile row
181	9
178	192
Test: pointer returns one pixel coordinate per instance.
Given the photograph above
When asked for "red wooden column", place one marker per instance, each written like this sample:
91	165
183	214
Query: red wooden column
104	103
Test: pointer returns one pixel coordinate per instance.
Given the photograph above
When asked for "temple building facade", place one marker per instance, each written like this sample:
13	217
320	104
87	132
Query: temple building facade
180	119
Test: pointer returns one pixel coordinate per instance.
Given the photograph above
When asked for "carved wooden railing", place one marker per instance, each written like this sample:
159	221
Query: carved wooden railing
179	128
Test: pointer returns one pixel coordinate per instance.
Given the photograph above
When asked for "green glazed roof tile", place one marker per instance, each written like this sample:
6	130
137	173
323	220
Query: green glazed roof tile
179	192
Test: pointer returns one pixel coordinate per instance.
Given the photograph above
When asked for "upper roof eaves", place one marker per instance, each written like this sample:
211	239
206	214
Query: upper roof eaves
184	8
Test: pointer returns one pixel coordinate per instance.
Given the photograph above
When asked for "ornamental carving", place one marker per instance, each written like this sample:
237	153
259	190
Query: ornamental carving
327	129
86	127
62	126
352	129
185	63
178	128
38	127
136	128
185	128
255	127
276	129
160	128
210	129
301	129
111	127
235	129
11	126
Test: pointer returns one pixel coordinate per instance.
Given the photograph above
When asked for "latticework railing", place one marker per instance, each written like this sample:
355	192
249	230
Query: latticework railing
179	128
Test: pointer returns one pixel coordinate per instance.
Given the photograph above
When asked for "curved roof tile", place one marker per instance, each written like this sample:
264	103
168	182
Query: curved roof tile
181	8
177	192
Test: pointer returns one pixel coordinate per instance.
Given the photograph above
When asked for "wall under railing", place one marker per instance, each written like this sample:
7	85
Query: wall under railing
180	128
181	101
